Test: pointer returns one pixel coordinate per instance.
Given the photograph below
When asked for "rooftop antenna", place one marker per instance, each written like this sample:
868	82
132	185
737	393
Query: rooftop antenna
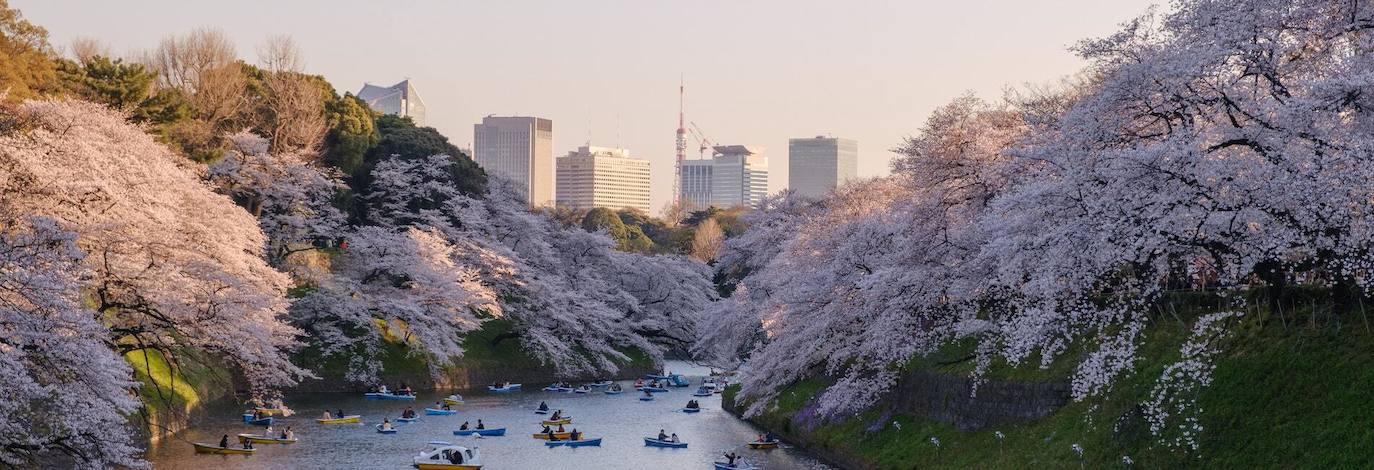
681	140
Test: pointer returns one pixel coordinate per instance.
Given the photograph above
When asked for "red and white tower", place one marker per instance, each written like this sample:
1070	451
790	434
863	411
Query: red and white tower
681	145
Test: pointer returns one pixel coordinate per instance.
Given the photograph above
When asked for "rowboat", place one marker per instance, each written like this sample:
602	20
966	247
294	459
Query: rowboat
264	421
380	430
211	449
344	420
453	400
387	396
654	389
702	392
261	439
651	442
445	456
555	388
582	443
646	398
555	422
583	389
773	444
432	411
691	410
408	420
541	412
503	389
557	435
481	432
614	392
603	383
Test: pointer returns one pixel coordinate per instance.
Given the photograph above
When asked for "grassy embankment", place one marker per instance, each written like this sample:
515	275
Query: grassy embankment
1289	390
171	393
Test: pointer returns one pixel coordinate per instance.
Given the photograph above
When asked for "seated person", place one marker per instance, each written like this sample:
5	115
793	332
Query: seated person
543	406
480	425
224	441
575	435
327	415
662	436
560	429
339	414
464	427
674	438
546	430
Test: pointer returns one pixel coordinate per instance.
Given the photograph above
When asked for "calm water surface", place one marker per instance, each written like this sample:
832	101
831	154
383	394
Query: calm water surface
621	420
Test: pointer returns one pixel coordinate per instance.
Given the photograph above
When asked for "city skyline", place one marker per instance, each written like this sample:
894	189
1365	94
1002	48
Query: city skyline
873	74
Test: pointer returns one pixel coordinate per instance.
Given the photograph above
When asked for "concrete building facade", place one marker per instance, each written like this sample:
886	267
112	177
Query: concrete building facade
519	148
736	175
606	177
816	165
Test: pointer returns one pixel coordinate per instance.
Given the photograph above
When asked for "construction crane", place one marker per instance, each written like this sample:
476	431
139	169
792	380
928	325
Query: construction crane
706	144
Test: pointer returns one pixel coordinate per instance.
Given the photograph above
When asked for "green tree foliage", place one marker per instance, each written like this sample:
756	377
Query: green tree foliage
627	237
352	132
26	66
124	86
401	138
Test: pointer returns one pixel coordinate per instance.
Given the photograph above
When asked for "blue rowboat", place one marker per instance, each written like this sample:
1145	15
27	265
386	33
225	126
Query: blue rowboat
691	410
432	411
481	432
582	390
582	443
385	431
247	417
614	392
646	398
259	422
387	396
678	381
541	412
654	389
701	394
408	420
505	389
651	442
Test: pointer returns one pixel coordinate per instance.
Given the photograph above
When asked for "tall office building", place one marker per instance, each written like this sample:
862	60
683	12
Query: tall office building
817	165
603	177
521	149
399	99
736	175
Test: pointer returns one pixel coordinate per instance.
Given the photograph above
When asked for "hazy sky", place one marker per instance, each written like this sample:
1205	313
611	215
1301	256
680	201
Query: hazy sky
757	72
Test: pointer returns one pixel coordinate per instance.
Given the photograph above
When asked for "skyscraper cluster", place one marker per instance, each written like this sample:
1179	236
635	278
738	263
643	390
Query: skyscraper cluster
520	148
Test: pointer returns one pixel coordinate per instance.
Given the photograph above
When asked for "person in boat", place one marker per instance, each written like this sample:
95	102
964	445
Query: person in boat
560	429
662	436
673	438
546	430
769	437
552	436
692	404
762	438
615	387
408	413
648	394
339	413
446	407
543	406
557	415
480	425
287	433
247	444
383	390
327	415
386	424
730	458
268	431
224	442
464	427
576	435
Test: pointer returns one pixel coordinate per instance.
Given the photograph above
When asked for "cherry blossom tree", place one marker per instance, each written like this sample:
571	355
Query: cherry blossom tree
66	391
170	263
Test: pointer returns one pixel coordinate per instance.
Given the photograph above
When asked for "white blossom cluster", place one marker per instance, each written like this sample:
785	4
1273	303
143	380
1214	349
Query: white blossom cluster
1222	145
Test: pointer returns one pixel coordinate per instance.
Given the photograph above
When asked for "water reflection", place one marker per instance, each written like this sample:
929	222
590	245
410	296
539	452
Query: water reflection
621	420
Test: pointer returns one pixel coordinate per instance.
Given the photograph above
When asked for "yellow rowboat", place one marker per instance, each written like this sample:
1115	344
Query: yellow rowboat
271	411
447	466
209	449
763	445
344	420
261	439
450	401
559	435
556	422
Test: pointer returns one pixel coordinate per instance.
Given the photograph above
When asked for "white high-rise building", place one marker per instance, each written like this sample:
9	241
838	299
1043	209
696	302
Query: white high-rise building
736	175
817	165
603	177
519	148
399	99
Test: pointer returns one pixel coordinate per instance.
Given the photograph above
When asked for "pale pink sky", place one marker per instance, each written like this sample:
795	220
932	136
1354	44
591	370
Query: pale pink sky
758	72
